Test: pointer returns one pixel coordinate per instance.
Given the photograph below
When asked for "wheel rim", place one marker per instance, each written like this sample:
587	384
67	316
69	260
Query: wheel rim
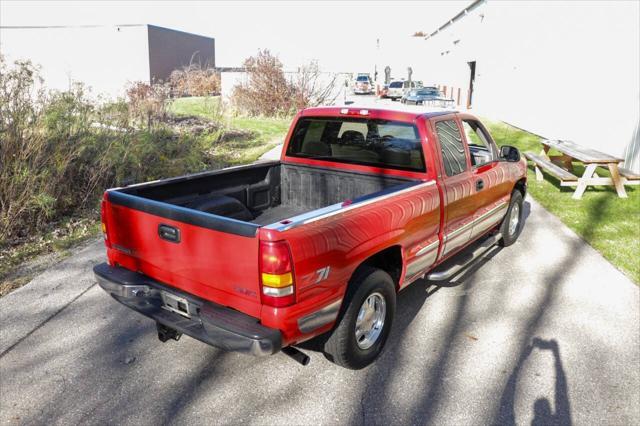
370	320
514	219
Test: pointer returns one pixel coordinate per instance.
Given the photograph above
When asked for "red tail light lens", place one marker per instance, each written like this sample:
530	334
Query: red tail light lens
103	219
276	274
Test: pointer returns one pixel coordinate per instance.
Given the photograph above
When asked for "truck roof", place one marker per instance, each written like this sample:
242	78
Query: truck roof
401	112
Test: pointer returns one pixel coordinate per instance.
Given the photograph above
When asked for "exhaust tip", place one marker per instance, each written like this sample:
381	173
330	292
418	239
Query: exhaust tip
297	355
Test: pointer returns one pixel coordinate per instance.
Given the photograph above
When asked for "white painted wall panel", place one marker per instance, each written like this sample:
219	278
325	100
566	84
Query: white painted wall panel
562	70
105	58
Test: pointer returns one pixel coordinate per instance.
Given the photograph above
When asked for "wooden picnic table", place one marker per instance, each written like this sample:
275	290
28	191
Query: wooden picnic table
561	166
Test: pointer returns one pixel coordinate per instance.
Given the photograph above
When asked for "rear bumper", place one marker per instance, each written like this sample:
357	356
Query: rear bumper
210	323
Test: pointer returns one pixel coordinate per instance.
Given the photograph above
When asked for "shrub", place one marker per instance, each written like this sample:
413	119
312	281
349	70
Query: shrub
147	102
195	81
268	92
59	150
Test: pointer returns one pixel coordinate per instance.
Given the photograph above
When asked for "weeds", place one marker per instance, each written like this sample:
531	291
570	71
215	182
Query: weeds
60	150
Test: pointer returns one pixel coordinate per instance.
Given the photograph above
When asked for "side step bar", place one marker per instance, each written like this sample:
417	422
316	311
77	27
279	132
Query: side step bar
473	255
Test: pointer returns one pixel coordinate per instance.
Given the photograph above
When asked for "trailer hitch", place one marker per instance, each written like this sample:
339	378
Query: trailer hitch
165	333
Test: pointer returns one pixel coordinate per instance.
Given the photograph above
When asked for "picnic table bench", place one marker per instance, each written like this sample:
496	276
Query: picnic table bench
561	166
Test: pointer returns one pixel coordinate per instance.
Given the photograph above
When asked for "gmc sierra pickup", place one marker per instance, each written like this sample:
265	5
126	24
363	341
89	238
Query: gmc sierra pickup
362	203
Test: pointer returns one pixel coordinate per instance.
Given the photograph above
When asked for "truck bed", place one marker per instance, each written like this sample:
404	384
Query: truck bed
263	193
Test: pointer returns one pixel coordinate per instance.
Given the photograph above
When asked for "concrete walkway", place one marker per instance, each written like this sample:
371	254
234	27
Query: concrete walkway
545	330
273	153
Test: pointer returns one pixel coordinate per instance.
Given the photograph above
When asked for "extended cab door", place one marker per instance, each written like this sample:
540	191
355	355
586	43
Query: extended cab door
456	177
491	187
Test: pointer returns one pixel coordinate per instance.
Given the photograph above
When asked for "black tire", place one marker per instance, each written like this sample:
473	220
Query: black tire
341	346
509	233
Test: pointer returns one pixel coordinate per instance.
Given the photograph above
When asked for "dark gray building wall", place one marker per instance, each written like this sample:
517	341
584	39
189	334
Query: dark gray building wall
170	50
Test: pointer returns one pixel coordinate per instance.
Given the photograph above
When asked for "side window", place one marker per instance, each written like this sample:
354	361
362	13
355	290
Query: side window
481	149
452	147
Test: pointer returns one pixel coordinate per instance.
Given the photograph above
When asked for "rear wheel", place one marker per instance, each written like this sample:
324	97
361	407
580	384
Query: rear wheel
364	325
512	222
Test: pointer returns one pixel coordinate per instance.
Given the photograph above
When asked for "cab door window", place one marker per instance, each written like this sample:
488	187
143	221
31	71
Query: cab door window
481	146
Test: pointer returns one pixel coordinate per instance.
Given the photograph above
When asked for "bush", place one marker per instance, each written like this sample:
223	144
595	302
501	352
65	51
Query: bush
147	102
59	150
194	81
268	92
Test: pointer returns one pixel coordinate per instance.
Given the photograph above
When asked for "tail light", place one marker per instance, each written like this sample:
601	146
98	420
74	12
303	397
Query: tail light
103	219
276	274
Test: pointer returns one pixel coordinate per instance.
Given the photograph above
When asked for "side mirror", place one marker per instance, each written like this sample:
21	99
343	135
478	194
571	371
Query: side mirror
509	153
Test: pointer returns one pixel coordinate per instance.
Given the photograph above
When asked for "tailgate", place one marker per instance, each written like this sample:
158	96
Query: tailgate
210	256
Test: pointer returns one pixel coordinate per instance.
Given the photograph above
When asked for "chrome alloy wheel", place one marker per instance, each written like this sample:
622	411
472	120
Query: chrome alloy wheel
370	320
514	219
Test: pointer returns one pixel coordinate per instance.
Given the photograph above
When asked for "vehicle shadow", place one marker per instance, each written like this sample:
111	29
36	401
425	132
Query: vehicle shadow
434	398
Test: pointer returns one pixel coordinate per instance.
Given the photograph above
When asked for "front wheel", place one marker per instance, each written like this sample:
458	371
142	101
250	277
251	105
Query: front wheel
364	325
512	222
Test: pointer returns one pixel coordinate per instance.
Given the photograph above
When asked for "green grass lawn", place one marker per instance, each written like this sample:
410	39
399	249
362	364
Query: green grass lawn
610	224
247	137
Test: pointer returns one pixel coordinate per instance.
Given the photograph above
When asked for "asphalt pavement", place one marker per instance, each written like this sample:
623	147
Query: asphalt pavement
545	330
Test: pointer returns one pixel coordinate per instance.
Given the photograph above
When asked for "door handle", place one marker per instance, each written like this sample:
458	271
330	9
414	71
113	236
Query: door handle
169	233
479	185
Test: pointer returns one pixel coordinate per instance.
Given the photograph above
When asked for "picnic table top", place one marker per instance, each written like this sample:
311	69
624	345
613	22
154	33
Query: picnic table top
581	153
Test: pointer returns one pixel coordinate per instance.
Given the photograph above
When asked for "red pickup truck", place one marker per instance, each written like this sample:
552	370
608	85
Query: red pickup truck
362	203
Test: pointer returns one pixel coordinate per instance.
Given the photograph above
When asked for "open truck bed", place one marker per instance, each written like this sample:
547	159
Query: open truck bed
184	231
255	195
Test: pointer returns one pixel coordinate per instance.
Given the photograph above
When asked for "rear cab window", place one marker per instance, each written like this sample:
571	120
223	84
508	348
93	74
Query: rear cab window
363	141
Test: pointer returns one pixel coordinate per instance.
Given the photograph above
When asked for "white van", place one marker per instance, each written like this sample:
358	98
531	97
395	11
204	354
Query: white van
398	88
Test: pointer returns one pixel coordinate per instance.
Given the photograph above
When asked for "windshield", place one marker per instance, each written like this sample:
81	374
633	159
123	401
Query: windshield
428	92
395	84
372	142
363	78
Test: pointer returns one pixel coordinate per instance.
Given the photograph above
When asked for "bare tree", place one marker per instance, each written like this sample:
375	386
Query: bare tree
312	87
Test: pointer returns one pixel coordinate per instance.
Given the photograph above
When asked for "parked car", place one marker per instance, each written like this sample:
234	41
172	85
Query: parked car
430	96
262	257
363	85
398	88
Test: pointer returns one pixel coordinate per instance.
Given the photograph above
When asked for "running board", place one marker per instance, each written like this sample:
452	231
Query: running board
475	254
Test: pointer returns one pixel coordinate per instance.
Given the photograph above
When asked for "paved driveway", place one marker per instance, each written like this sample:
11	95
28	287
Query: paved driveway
545	329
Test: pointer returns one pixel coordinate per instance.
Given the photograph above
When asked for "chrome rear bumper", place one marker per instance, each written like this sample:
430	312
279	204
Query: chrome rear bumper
208	322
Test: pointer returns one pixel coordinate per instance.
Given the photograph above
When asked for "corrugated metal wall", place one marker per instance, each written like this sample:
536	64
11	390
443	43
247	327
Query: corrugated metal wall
170	50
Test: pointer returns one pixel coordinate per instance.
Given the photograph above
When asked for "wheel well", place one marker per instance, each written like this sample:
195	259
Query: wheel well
389	260
521	186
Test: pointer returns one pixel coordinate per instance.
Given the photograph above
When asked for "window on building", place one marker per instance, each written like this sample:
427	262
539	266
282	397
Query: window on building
452	147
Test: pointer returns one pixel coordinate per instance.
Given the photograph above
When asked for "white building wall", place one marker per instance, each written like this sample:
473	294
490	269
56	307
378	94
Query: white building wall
105	58
561	70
